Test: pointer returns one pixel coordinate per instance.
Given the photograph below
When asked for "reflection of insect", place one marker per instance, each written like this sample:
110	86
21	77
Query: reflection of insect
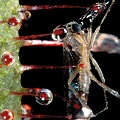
78	41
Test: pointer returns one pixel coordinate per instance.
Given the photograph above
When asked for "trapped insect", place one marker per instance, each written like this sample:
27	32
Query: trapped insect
78	39
78	43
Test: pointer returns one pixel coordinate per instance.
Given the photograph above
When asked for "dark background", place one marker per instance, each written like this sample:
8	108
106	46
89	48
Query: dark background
44	21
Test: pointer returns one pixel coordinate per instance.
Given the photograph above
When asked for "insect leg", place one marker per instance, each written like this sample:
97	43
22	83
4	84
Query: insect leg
108	10
99	26
101	77
94	62
89	35
106	88
91	45
92	39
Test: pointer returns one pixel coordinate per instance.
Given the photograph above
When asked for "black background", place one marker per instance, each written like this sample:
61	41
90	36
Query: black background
44	21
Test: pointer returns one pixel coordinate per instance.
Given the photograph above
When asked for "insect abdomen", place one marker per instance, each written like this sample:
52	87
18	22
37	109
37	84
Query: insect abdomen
84	81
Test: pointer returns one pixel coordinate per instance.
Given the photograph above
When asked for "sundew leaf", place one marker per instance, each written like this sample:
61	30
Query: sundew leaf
9	75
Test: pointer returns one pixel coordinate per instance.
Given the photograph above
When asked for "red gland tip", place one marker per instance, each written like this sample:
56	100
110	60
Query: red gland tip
13	21
7	115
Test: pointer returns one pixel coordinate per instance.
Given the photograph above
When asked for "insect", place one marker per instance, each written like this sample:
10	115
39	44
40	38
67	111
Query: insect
78	41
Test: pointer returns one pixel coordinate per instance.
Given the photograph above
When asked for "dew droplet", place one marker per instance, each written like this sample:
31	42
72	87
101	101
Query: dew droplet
7	115
44	97
59	33
7	58
27	15
24	15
